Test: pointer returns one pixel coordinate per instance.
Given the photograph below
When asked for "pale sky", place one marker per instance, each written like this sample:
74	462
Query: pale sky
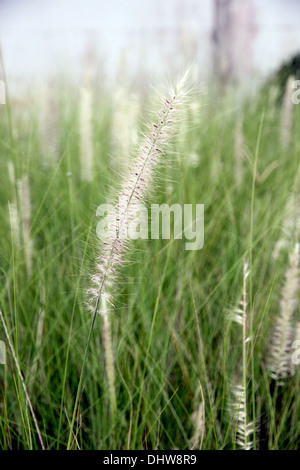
41	37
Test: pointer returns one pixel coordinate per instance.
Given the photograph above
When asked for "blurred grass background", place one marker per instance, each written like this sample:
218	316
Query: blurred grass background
227	155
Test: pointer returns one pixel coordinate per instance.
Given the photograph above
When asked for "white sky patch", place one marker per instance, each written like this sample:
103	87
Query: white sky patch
40	38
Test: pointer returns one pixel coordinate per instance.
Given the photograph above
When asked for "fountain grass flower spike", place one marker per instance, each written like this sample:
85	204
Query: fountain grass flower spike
135	187
243	428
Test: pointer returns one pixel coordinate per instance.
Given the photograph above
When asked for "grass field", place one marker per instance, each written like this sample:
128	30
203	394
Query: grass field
178	353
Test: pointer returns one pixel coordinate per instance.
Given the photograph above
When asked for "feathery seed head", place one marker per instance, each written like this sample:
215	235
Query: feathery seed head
243	428
134	189
280	360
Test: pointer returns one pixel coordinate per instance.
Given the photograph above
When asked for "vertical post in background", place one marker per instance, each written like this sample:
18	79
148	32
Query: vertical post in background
232	40
221	40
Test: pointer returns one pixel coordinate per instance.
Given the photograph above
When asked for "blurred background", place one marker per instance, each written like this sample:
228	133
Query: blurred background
232	40
83	81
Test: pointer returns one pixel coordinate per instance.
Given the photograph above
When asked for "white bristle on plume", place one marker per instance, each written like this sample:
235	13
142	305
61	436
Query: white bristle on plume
280	360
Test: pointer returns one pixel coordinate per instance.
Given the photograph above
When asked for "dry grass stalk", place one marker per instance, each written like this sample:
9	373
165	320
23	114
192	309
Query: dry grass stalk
13	207
287	114
25	206
198	419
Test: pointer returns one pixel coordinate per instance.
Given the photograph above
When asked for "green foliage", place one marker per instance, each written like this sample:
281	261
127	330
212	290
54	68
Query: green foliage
170	323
